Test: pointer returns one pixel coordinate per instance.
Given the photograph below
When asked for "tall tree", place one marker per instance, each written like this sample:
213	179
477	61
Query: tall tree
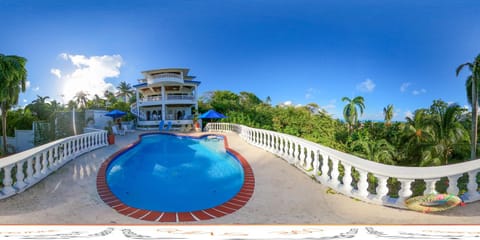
350	111
472	86
447	132
81	99
388	113
13	79
125	91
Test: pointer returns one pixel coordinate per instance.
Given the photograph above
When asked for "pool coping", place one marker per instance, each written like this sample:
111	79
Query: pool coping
228	207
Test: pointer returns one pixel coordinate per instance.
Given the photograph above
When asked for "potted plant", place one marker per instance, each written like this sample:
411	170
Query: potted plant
196	124
110	135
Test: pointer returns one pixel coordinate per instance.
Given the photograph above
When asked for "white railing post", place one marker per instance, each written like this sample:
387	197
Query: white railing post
382	188
452	184
430	186
362	183
347	178
7	180
20	184
472	186
324	178
405	190
334	173
30	177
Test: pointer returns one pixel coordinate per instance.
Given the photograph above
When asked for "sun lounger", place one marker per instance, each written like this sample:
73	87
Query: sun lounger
117	131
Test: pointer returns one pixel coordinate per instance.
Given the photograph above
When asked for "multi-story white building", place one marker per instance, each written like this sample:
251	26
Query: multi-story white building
168	94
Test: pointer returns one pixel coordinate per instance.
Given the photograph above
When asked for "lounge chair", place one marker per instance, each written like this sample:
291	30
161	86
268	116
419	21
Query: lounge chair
117	131
169	126
161	125
127	128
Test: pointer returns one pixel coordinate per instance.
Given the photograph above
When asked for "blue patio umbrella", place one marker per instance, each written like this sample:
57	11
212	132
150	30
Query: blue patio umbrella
212	114
115	114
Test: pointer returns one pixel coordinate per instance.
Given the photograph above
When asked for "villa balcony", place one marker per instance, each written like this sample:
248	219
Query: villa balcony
169	99
166	78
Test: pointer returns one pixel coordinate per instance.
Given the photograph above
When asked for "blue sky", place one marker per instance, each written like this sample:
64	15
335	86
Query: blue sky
390	52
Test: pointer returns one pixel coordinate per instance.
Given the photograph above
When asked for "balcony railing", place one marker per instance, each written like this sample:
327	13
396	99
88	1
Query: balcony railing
169	97
361	179
24	169
180	97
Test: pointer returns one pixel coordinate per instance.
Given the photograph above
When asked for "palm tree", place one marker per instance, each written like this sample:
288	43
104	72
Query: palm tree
125	91
13	79
81	99
447	132
472	86
388	112
350	112
380	151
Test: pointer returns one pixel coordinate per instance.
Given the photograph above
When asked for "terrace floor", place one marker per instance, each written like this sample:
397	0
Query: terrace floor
283	195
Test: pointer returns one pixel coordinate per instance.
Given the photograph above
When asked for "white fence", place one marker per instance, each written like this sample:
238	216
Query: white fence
361	179
21	171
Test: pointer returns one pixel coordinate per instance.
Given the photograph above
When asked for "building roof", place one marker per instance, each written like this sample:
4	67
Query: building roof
165	70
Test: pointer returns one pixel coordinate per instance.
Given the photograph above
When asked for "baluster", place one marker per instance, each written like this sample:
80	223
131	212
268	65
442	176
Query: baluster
38	167
7	180
382	188
472	186
452	184
405	190
430	186
271	142
56	157
324	178
30	178
347	178
301	160
316	162
290	150
50	158
363	183
283	147
308	160
20	184
334	173
44	163
275	144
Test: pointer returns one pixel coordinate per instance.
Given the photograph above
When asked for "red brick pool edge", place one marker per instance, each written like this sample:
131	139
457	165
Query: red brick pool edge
232	205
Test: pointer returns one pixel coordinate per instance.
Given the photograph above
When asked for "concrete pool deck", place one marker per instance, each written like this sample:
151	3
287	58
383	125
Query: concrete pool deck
283	195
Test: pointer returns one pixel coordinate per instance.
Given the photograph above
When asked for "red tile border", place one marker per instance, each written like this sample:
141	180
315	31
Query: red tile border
202	215
232	205
168	217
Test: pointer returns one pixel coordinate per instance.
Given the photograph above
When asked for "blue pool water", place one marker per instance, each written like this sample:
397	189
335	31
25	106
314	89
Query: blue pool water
175	174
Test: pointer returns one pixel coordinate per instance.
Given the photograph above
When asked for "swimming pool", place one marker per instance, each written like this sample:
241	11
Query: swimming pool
179	178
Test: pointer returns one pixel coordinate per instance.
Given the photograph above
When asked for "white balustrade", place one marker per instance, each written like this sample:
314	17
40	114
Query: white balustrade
314	159
31	166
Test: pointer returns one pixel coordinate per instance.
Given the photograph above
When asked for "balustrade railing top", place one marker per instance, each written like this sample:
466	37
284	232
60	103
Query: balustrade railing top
360	178
22	170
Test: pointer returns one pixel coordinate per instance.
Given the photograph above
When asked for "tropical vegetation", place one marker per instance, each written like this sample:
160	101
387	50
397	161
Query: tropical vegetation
432	136
13	80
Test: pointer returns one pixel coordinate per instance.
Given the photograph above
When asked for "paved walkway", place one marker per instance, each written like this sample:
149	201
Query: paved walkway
283	195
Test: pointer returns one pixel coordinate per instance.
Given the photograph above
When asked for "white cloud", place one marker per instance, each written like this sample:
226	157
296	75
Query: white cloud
24	100
404	86
366	86
89	74
287	103
298	105
36	89
310	93
27	84
56	72
408	113
417	92
331	105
